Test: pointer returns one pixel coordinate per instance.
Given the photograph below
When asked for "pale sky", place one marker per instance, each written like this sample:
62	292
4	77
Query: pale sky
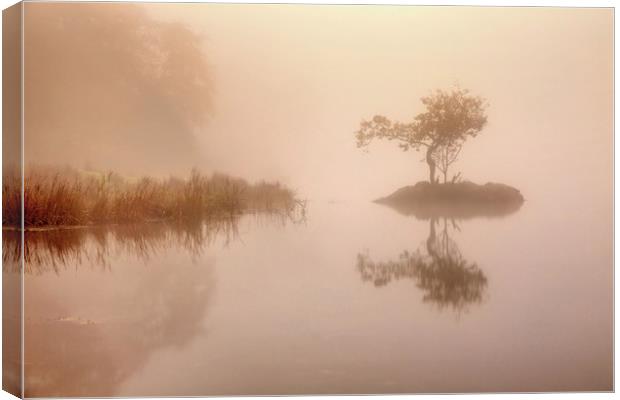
292	82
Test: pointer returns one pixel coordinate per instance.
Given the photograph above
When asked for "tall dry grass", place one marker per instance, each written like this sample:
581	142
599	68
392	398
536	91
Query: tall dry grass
68	197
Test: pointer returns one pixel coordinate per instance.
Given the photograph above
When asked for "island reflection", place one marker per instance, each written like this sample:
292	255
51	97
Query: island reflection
457	210
438	267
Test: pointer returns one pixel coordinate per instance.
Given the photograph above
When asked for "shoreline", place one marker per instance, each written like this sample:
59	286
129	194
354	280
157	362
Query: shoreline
47	228
188	220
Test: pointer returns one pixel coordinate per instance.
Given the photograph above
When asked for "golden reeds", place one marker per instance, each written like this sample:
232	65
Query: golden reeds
68	197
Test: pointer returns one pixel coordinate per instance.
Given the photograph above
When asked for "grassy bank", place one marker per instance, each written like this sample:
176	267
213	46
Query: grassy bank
56	197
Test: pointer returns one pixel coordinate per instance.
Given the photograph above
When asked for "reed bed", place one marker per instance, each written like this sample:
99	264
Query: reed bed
55	197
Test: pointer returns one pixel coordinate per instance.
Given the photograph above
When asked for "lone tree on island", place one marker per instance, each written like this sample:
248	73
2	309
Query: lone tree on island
451	117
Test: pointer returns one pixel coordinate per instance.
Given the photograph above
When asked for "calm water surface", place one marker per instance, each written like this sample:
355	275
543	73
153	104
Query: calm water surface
359	298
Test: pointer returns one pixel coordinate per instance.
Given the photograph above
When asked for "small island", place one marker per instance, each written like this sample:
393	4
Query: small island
460	200
451	117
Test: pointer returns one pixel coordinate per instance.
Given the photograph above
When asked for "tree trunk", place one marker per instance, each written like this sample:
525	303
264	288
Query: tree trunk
431	241
431	163
445	164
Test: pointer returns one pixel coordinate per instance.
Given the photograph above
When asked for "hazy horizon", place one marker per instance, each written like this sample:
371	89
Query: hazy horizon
289	84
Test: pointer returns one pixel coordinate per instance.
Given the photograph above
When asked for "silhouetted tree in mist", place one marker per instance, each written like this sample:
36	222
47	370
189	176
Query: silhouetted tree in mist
445	156
451	117
106	83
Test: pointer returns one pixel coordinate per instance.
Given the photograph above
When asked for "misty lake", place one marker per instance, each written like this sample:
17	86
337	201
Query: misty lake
358	298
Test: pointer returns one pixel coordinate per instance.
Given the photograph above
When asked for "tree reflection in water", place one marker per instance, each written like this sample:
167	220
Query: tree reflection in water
441	272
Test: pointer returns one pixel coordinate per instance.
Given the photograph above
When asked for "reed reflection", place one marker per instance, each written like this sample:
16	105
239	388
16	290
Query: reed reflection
56	249
52	250
11	321
89	332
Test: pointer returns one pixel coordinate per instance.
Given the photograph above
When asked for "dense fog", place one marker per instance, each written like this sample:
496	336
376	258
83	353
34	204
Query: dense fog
277	91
